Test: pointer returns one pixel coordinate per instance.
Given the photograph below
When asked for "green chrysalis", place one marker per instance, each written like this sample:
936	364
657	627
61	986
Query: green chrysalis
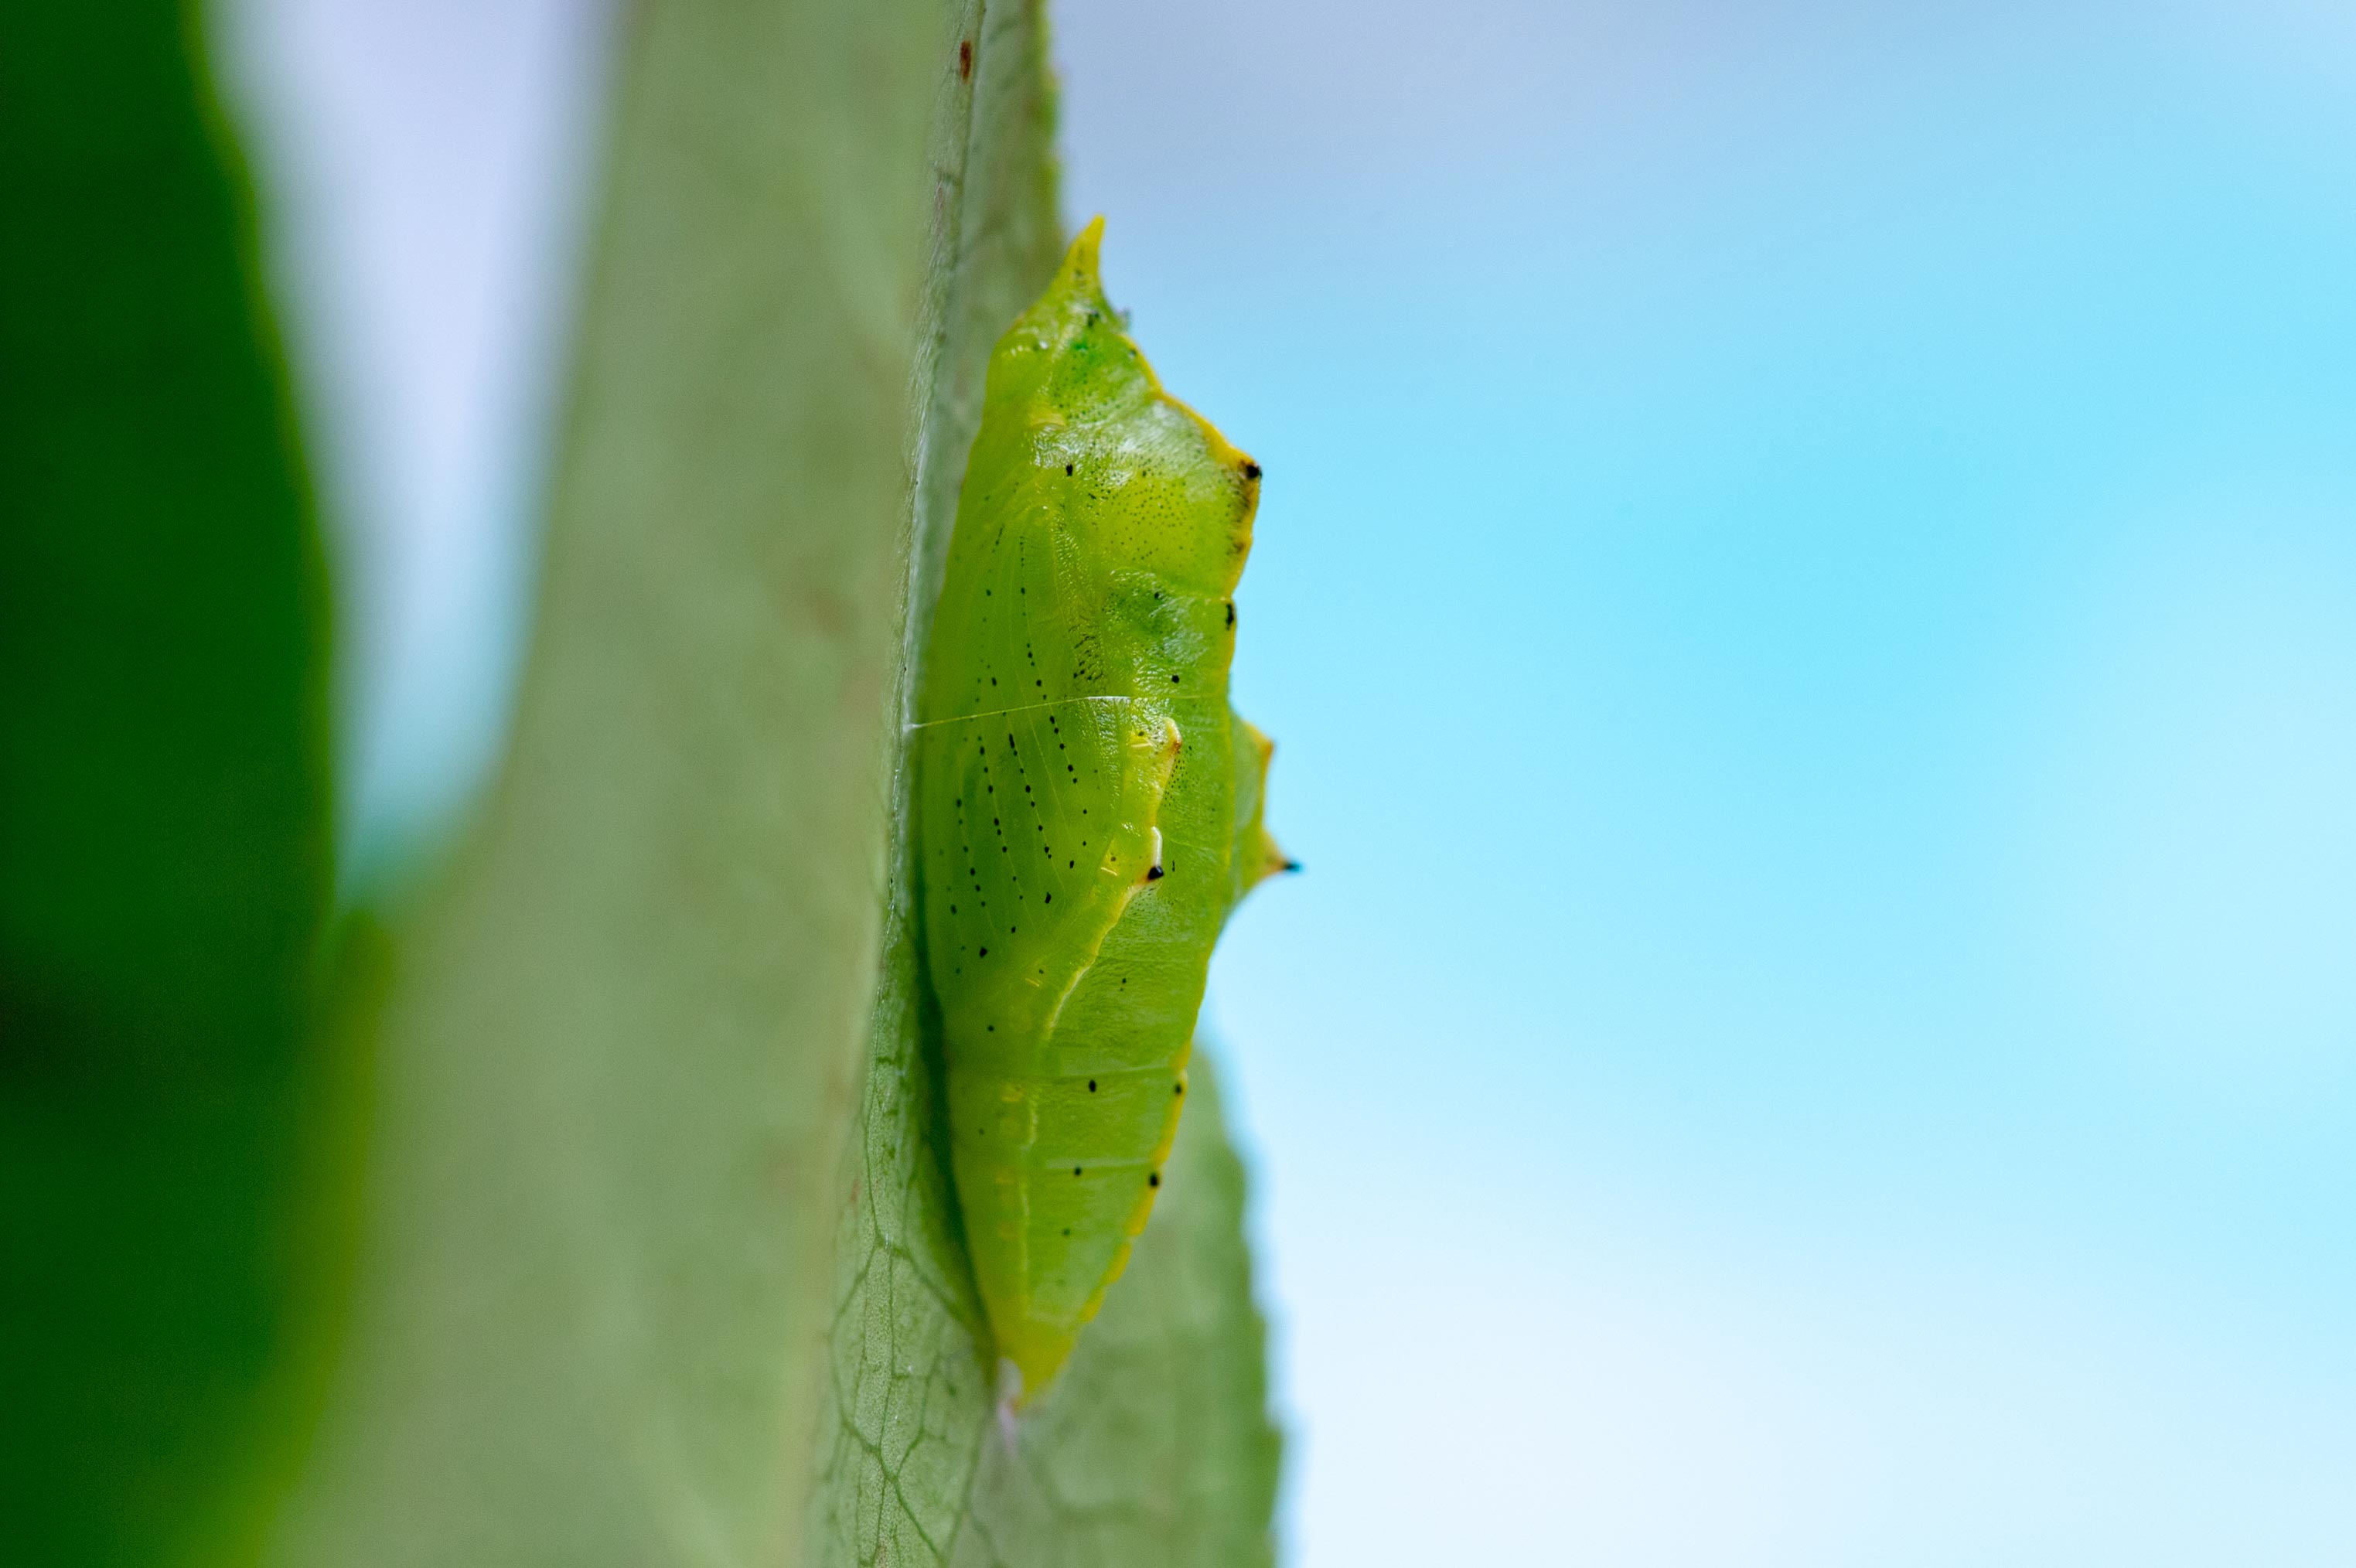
1089	805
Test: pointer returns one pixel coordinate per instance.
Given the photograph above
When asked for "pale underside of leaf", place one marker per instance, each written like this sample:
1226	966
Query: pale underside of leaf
623	1044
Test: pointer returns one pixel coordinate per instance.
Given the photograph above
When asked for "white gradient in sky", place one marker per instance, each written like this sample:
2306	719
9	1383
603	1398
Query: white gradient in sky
1806	591
424	168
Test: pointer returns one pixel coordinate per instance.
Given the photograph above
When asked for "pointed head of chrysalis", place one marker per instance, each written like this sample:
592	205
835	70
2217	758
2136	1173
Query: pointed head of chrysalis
1070	367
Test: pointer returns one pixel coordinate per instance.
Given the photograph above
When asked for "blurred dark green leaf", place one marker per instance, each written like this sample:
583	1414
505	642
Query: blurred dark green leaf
163	815
632	1285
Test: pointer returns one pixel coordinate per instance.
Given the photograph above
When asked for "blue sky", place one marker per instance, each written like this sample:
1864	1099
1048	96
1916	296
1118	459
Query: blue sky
1804	590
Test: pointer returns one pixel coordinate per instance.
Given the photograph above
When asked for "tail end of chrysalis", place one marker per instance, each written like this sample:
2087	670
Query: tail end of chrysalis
1030	1361
1010	1399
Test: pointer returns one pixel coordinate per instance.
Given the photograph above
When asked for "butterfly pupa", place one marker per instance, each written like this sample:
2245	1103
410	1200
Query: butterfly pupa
1088	805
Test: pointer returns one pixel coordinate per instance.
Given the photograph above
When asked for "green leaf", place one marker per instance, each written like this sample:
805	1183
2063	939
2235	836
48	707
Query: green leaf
170	1245
622	1048
1155	1445
619	1249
